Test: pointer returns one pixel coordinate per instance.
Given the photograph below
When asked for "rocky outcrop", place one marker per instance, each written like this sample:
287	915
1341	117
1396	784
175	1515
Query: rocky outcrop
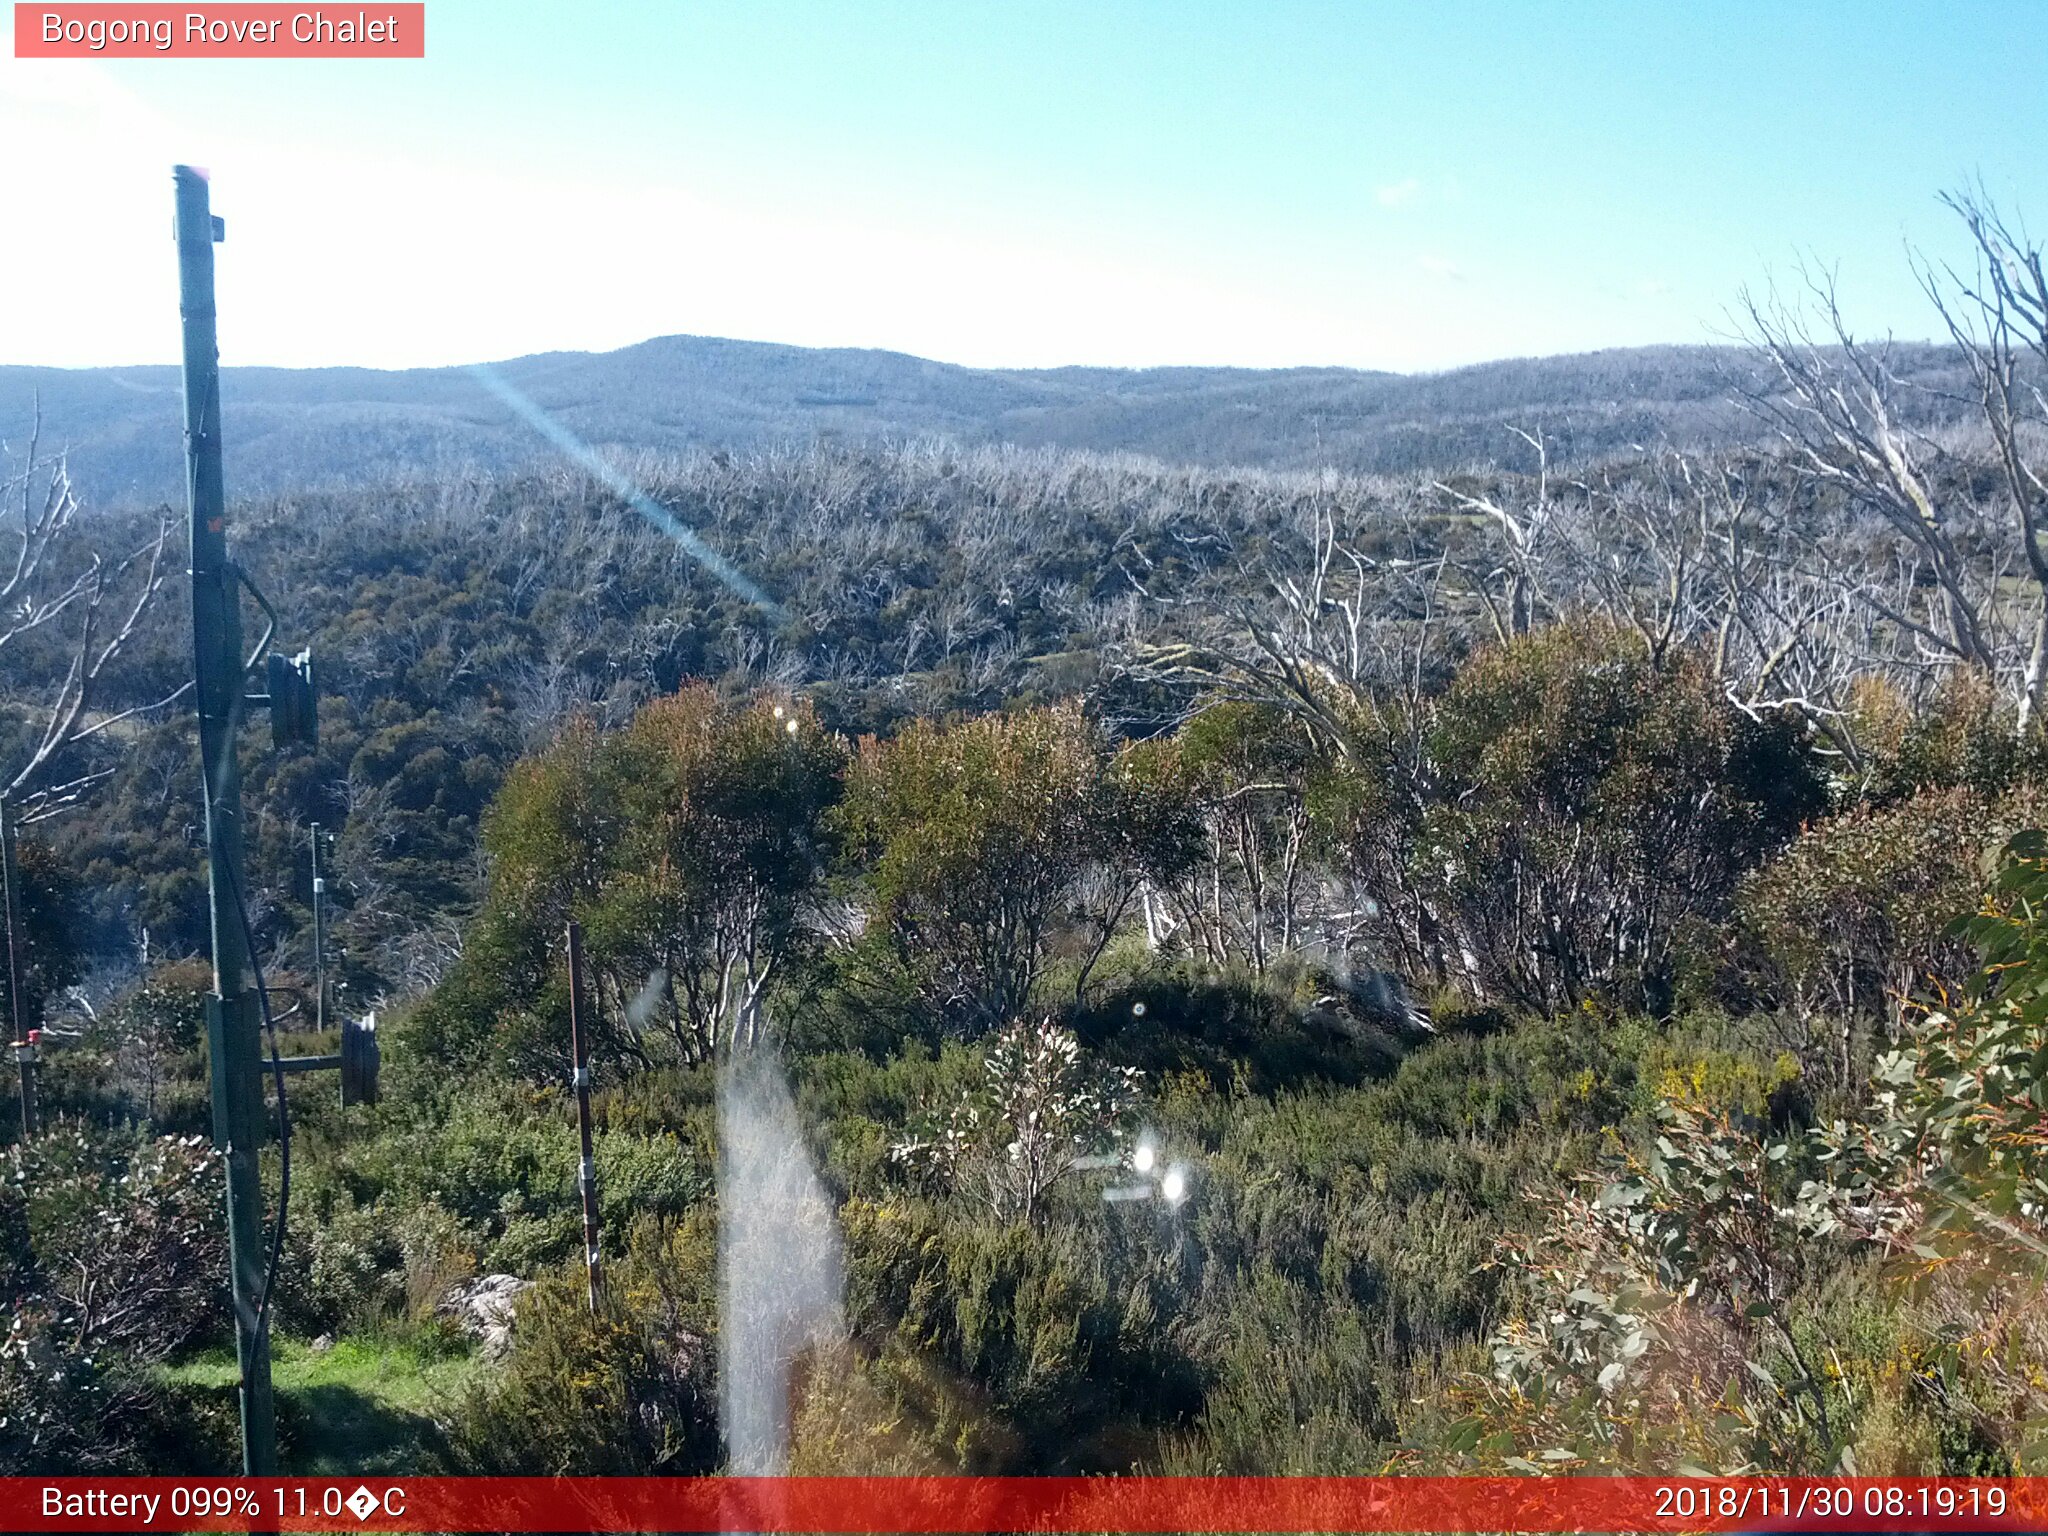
485	1307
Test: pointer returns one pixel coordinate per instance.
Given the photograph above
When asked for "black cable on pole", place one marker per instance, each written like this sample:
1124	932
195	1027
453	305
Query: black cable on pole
284	1119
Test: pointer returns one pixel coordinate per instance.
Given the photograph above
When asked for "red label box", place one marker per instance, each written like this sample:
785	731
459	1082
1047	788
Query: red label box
957	1506
231	31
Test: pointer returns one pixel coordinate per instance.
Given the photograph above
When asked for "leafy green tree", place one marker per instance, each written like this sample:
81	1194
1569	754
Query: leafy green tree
1855	919
506	997
975	838
1588	801
1248	776
721	849
1964	735
689	845
156	1032
1148	838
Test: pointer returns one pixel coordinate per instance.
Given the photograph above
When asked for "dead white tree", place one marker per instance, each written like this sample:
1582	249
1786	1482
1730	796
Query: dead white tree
1523	542
1834	402
1998	317
62	594
1329	642
1963	582
1783	635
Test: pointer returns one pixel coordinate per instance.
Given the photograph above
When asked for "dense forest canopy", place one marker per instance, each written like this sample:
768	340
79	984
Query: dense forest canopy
1246	969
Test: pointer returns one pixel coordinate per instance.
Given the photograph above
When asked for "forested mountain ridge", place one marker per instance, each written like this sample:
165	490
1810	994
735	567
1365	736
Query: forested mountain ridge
294	429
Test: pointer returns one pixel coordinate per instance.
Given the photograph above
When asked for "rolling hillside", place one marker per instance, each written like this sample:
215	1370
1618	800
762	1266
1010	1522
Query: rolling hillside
299	428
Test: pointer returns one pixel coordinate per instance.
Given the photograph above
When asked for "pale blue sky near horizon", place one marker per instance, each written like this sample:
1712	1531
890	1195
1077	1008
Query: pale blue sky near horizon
1129	183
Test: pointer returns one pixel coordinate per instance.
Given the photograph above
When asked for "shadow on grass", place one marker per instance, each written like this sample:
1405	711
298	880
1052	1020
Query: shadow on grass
360	1406
331	1429
1235	1028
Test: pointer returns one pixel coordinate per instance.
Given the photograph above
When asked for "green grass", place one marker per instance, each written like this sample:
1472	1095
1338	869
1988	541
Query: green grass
365	1405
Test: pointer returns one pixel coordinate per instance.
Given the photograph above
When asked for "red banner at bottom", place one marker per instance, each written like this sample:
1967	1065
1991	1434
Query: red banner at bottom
995	1504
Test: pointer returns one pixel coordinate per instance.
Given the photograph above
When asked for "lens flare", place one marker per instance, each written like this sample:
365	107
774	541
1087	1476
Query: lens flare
582	453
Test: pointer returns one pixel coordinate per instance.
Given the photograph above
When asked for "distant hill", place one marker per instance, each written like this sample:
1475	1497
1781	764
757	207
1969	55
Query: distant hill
302	428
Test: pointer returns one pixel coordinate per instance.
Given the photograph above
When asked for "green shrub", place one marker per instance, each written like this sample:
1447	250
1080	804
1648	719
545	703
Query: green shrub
1587	801
70	1412
125	1237
113	1256
1853	919
343	1270
1231	1027
630	1389
1055	1334
1302	1389
974	840
1966	736
454	1184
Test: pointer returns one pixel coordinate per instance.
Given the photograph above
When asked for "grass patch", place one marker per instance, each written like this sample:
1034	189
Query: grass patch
364	1405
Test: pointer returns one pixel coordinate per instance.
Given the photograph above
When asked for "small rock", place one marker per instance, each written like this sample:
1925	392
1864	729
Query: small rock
321	1345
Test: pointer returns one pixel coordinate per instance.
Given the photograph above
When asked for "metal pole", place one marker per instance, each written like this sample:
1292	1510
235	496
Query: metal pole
319	937
579	1055
10	899
233	1022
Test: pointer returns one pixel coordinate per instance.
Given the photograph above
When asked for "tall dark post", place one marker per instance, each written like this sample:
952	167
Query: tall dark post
17	999
319	937
579	1055
232	1016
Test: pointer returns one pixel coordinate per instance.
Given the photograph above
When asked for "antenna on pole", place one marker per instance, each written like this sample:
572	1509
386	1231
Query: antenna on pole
319	937
579	1056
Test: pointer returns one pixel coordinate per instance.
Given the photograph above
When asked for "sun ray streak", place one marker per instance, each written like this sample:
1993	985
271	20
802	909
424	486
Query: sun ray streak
588	457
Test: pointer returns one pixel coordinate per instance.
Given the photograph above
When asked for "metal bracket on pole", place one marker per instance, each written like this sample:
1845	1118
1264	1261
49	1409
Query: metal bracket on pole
358	1061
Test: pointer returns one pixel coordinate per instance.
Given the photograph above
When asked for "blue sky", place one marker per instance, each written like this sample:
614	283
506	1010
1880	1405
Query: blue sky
1264	183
